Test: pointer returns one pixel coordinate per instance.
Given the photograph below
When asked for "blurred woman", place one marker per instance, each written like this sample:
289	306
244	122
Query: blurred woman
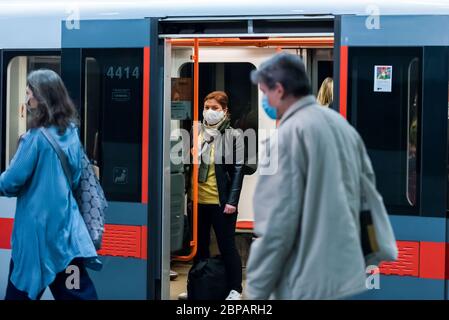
49	232
325	94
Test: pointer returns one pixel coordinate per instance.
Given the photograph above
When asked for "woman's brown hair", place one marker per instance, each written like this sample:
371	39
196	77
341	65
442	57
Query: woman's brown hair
220	96
54	104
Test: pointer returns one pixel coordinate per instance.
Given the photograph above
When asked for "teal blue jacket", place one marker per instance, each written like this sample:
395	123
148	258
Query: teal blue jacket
49	231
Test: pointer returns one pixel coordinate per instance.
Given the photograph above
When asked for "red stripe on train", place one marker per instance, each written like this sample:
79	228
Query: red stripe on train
428	260
6	225
145	123
343	80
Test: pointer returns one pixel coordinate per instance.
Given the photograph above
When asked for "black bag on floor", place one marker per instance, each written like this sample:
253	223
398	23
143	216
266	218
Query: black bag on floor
207	280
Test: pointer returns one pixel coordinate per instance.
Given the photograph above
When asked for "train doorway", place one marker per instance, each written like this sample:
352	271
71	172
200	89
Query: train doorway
195	66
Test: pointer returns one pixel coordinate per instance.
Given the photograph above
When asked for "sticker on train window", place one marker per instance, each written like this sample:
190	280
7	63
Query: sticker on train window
382	78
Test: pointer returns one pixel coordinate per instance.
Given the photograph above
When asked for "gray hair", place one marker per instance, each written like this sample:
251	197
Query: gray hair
287	69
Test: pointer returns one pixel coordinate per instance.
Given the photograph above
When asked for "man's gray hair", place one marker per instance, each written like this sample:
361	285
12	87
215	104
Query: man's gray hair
287	69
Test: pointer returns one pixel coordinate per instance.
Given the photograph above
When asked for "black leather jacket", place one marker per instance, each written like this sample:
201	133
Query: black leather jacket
229	167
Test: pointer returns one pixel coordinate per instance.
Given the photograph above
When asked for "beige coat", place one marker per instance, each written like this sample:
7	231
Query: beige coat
307	213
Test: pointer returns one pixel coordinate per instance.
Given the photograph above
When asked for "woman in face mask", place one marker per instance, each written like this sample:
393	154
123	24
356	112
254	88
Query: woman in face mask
220	181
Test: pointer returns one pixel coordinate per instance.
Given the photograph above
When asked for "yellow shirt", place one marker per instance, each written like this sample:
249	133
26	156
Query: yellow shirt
208	191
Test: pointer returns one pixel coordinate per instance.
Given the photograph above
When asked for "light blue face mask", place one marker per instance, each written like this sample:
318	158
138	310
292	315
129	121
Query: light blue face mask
269	110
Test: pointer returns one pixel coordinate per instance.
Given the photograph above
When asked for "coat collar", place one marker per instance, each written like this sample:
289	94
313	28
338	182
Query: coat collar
301	103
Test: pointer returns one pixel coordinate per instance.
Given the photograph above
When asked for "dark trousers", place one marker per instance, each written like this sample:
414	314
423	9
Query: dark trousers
58	287
224	227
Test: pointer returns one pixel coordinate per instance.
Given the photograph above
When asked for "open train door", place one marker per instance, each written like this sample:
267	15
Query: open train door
392	85
106	66
204	54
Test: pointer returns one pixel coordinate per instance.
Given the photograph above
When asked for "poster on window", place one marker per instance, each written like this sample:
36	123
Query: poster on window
382	78
181	98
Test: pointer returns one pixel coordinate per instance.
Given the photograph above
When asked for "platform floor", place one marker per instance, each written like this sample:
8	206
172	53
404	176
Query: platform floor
179	285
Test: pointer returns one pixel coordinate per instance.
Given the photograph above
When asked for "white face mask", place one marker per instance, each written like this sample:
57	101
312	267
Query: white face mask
213	117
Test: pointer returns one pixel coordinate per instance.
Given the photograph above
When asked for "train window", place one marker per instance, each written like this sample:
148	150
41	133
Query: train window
112	119
234	79
17	71
384	104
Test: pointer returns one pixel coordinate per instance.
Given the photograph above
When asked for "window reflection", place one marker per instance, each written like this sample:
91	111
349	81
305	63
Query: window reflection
413	81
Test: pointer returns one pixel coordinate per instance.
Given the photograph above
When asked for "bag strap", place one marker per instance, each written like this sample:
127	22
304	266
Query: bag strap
61	155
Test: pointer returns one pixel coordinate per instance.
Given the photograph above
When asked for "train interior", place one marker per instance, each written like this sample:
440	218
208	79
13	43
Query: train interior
224	67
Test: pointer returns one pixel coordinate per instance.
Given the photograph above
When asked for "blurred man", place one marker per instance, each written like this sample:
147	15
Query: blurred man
307	213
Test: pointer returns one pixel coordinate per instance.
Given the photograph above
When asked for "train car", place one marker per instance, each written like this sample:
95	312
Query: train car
138	72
